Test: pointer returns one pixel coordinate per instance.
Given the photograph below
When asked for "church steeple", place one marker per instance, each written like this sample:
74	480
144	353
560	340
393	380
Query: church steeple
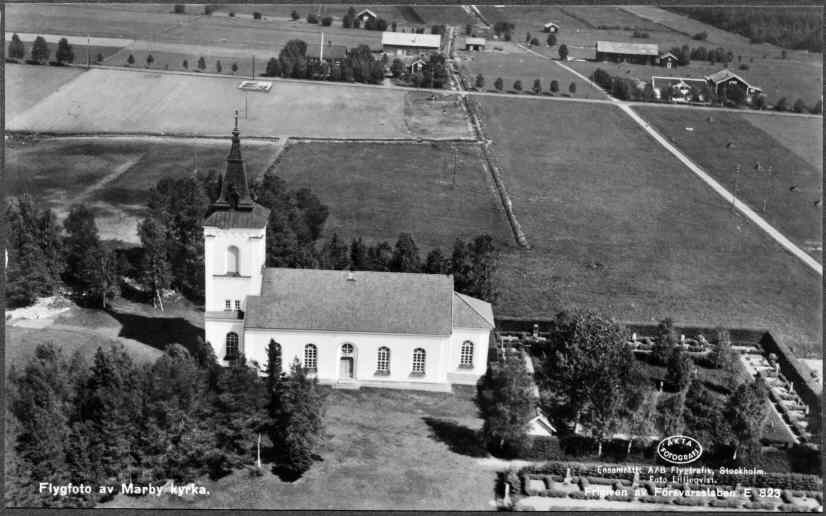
235	194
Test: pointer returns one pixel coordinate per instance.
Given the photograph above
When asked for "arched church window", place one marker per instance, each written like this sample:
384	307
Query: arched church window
232	260
418	361
310	357
347	349
466	355
383	363
231	347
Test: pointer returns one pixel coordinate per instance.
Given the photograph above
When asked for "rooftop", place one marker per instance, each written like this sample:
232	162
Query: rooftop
363	302
726	74
330	51
409	39
616	47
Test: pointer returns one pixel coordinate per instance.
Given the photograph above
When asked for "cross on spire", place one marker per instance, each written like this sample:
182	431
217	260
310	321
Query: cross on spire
236	120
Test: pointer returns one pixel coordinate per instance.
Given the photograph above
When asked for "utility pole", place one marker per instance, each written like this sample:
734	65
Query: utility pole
252	74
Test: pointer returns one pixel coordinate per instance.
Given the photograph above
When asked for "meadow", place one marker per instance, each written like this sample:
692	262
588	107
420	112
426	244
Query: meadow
617	225
803	136
27	85
770	175
384	449
525	67
379	190
149	102
112	177
777	77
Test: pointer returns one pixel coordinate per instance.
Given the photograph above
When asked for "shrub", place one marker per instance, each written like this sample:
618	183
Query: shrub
535	42
209	9
791	507
761	506
780	105
179	9
553	493
726	502
817	108
579	495
787	496
256	15
231	14
294	15
327	21
694	501
799	106
312	18
640	34
743	66
600	481
656	499
583	483
700	36
618	498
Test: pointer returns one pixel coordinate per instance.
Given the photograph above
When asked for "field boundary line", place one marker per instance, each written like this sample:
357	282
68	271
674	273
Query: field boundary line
724	193
571	70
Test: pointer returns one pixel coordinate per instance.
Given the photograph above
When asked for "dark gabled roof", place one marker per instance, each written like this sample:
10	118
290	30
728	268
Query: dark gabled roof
725	75
255	218
370	302
330	51
616	47
659	82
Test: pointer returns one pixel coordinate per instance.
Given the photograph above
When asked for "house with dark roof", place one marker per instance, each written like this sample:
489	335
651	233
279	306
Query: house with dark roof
349	329
725	82
680	89
410	44
621	52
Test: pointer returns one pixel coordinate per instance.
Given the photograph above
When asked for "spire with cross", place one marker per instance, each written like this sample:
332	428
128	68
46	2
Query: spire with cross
235	193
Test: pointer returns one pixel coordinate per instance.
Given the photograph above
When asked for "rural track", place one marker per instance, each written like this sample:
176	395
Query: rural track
741	206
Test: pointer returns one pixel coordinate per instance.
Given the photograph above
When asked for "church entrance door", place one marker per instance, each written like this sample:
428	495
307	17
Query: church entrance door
346	367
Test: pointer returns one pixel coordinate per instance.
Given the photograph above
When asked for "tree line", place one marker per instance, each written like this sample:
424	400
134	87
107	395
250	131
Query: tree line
358	66
591	385
798	29
40	52
115	421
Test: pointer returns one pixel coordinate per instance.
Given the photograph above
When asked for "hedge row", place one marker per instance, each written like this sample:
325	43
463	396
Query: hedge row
792	481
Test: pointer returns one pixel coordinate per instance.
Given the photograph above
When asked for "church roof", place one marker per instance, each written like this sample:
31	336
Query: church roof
234	207
369	302
469	312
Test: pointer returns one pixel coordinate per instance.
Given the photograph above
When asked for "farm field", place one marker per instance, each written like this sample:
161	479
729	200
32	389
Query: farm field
377	191
616	224
792	192
530	18
113	177
26	85
385	449
524	67
776	77
611	16
803	136
157	103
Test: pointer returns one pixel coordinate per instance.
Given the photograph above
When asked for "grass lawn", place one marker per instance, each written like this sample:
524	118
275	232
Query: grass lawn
611	16
385	449
776	77
113	177
155	103
21	343
617	225
530	18
27	85
728	140
380	190
524	67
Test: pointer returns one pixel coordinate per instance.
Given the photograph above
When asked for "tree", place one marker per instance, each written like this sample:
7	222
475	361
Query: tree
273	68
40	50
99	58
130	60
480	82
178	9
517	85
679	372
746	412
461	266
817	108
300	425
551	40
149	60
218	67
554	86
293	59
156	269
201	63
436	263
481	269
799	106
335	254
88	265
294	15
498	84
397	68
234	68
537	87
535	42
16	48
348	19
185	64
703	416
563	52
326	21
665	341
572	88
405	255
780	105
721	355
312	18
359	260
640	420
591	373
504	396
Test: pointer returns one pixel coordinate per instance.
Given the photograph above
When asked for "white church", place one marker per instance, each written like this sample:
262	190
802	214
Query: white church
350	329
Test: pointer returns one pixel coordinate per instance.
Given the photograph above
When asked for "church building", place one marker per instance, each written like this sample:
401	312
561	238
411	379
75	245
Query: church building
350	329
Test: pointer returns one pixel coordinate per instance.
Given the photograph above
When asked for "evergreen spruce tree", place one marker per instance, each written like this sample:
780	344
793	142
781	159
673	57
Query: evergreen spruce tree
16	48
506	404
405	255
358	255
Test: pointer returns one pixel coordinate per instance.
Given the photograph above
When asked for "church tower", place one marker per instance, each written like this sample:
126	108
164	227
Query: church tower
234	256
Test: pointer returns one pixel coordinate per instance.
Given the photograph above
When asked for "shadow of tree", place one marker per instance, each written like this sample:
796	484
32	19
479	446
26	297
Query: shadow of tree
459	439
159	332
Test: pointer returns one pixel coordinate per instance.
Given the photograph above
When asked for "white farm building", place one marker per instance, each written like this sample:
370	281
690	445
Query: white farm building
350	329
